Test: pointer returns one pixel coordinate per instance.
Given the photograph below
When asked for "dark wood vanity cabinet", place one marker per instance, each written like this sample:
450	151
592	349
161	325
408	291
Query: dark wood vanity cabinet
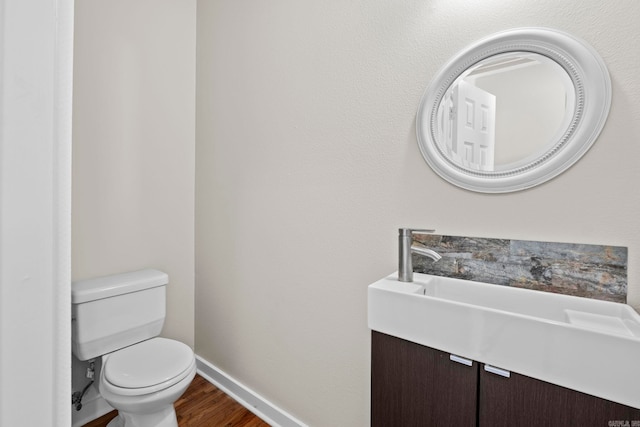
524	401
417	386
414	385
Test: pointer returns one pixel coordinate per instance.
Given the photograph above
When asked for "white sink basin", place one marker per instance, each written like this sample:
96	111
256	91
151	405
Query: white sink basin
584	344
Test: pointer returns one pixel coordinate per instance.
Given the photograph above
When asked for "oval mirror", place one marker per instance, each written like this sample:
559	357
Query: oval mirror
513	110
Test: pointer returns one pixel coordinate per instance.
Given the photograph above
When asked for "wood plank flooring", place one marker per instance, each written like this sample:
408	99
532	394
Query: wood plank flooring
203	405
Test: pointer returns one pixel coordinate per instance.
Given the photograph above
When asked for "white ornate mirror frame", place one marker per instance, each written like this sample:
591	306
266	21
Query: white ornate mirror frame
592	86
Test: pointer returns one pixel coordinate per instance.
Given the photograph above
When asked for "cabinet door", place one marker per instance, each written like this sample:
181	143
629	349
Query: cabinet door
413	385
523	401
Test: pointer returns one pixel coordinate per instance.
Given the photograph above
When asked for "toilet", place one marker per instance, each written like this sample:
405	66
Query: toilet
118	318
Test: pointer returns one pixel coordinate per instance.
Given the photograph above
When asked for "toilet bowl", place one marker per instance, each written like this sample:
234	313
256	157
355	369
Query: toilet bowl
119	318
144	380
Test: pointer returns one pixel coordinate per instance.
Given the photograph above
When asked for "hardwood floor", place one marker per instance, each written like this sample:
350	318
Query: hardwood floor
203	405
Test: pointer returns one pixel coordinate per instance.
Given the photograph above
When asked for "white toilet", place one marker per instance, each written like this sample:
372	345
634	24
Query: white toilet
119	318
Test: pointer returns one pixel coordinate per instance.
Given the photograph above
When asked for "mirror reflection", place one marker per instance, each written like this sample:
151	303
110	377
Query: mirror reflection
505	111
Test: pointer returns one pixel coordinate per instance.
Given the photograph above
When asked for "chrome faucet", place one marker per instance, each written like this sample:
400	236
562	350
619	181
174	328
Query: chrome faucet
405	248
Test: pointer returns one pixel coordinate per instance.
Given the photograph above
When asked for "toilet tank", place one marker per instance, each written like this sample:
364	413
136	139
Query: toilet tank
113	312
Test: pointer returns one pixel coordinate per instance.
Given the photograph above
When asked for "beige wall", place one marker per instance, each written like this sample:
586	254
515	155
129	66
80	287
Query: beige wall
133	145
307	163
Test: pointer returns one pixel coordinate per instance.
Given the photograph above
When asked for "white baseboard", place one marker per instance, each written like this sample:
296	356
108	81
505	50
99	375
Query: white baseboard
257	404
91	410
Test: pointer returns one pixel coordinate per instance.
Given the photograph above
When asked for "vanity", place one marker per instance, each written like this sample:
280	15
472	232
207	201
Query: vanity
496	332
448	352
415	385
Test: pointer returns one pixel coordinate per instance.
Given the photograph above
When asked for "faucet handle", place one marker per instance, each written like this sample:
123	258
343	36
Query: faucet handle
405	232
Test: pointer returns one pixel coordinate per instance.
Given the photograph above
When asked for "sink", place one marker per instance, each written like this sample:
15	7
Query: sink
584	344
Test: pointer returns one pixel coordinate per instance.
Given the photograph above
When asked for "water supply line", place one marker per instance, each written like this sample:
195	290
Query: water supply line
76	397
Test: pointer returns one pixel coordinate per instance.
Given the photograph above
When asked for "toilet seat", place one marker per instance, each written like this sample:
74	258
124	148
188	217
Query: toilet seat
147	367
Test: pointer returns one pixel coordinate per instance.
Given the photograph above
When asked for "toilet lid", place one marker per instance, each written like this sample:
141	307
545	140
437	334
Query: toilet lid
147	363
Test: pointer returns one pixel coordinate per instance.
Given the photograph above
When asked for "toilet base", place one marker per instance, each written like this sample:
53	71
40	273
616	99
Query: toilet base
163	418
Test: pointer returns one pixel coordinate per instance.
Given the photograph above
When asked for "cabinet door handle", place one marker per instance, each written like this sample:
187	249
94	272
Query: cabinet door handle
497	371
459	359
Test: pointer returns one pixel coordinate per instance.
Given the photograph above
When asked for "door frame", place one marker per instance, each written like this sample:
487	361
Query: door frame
36	79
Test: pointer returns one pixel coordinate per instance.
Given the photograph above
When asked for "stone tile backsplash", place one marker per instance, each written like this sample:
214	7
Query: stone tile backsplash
591	271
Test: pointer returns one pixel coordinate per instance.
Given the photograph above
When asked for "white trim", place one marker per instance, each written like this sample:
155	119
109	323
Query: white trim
251	400
91	410
36	53
62	134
